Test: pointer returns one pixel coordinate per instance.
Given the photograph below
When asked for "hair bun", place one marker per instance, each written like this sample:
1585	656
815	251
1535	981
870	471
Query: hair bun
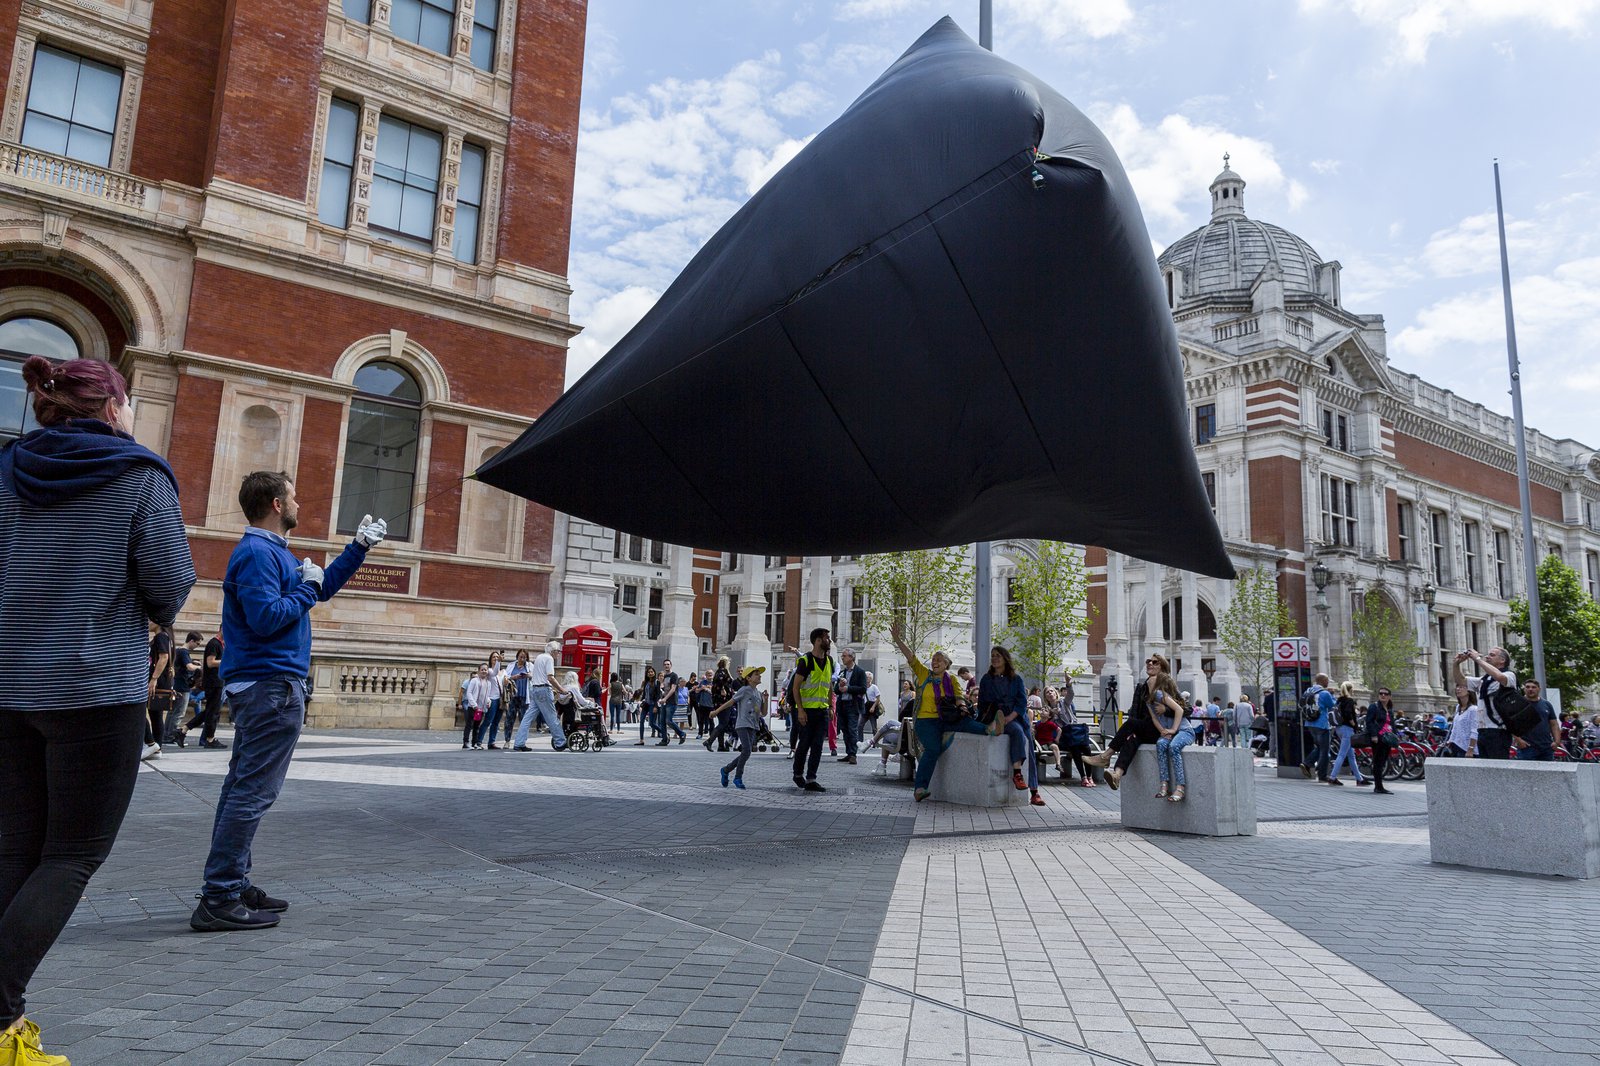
37	370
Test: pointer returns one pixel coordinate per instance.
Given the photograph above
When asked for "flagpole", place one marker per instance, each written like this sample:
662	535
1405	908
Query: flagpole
983	552
1529	548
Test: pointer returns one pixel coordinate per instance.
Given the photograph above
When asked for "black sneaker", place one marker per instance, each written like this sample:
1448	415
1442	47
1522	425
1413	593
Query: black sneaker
258	900
214	744
522	749
812	786
229	917
799	782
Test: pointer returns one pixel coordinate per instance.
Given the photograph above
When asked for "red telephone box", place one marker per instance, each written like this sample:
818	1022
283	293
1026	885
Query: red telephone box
582	649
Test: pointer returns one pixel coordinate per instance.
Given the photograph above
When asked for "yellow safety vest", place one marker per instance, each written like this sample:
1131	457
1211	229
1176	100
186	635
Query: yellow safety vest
813	689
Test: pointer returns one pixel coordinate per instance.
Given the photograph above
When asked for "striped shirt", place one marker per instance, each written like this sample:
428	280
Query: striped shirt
79	581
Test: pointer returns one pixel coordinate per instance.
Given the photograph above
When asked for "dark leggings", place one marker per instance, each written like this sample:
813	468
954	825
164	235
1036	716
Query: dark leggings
469	725
65	781
1380	762
1136	730
157	709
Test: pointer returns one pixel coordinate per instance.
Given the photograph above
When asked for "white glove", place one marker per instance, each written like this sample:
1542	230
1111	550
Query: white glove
370	533
311	573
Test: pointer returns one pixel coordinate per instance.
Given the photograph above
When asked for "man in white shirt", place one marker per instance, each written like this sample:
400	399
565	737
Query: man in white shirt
542	687
1494	740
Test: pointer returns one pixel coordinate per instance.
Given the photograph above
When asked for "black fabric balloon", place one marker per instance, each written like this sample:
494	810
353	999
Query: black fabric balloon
940	323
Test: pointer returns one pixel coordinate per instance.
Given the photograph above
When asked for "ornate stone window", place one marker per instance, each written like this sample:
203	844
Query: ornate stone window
380	452
72	106
338	162
405	181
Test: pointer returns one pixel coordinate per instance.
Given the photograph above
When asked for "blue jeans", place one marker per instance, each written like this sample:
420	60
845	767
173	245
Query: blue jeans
668	715
647	719
1170	750
1346	737
267	718
931	737
1021	738
541	704
490	719
1317	752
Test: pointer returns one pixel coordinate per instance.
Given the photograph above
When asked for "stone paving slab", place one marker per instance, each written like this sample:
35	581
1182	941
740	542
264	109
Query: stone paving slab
621	907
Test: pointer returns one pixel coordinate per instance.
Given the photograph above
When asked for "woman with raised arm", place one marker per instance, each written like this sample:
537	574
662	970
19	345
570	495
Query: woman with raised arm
941	705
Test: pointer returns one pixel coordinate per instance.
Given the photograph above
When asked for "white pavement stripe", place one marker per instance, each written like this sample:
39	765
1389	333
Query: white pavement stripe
891	804
1095	940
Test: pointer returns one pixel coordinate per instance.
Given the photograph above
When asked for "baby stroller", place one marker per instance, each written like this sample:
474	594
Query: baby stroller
765	740
588	731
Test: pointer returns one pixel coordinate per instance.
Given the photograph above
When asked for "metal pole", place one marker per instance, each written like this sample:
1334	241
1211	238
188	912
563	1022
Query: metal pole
981	613
1529	549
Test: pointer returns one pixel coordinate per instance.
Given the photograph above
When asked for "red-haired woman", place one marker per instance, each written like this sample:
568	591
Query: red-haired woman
94	550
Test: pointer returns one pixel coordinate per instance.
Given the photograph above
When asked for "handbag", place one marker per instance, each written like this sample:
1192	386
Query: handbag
951	712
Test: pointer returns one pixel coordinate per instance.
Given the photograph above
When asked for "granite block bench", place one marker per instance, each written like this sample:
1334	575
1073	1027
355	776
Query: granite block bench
1220	800
976	771
1526	817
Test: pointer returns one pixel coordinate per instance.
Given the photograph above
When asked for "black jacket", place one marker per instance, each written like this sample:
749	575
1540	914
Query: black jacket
1377	718
852	687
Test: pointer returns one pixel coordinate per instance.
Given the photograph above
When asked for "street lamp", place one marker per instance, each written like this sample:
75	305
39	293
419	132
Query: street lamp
1319	577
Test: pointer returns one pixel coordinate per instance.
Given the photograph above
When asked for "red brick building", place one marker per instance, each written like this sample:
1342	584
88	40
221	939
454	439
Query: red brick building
325	236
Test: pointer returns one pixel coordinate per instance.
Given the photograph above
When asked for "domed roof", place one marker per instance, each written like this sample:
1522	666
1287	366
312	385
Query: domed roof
1227	254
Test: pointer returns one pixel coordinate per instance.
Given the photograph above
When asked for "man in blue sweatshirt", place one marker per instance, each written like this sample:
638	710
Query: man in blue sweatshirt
267	596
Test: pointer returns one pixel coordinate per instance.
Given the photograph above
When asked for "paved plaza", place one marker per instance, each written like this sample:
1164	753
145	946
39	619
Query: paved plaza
620	907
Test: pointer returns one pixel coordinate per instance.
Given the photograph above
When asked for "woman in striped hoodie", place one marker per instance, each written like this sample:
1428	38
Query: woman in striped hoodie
92	549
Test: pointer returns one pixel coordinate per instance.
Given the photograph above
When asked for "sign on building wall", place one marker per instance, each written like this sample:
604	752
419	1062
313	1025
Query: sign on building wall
392	578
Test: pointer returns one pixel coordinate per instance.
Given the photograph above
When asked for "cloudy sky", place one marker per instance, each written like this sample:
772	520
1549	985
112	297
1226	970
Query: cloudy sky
1366	126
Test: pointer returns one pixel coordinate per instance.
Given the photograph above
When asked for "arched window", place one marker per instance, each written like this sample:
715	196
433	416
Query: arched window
380	451
21	337
1173	609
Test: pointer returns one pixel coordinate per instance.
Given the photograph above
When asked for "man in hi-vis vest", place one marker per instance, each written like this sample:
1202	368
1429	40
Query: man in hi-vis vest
813	678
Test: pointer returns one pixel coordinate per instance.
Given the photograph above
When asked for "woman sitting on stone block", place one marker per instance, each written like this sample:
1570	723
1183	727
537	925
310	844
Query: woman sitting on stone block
1166	711
1136	729
1002	700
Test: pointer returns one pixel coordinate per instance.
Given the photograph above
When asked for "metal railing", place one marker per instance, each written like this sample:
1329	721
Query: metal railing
59	172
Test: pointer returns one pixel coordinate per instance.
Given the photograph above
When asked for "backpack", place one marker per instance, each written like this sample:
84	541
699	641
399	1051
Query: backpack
1515	711
1309	711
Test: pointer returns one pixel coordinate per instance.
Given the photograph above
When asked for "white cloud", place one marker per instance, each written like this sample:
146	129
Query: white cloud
758	167
1325	166
1415	24
659	171
852	10
606	322
1056	20
1172	161
1472	246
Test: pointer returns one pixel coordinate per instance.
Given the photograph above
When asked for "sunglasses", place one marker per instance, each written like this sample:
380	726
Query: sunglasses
1151	662
1383	692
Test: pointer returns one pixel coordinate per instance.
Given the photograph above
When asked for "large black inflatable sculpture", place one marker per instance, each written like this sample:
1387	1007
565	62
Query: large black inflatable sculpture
940	323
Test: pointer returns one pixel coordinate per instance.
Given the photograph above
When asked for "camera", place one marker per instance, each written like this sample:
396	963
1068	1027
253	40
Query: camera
1111	684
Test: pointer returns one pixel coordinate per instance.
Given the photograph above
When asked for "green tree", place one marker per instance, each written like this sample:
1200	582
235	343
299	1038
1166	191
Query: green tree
1571	623
1384	644
926	590
1048	615
1245	632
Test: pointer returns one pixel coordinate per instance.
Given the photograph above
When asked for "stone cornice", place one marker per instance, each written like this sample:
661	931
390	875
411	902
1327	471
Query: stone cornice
222	368
386	86
242	254
1503	457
